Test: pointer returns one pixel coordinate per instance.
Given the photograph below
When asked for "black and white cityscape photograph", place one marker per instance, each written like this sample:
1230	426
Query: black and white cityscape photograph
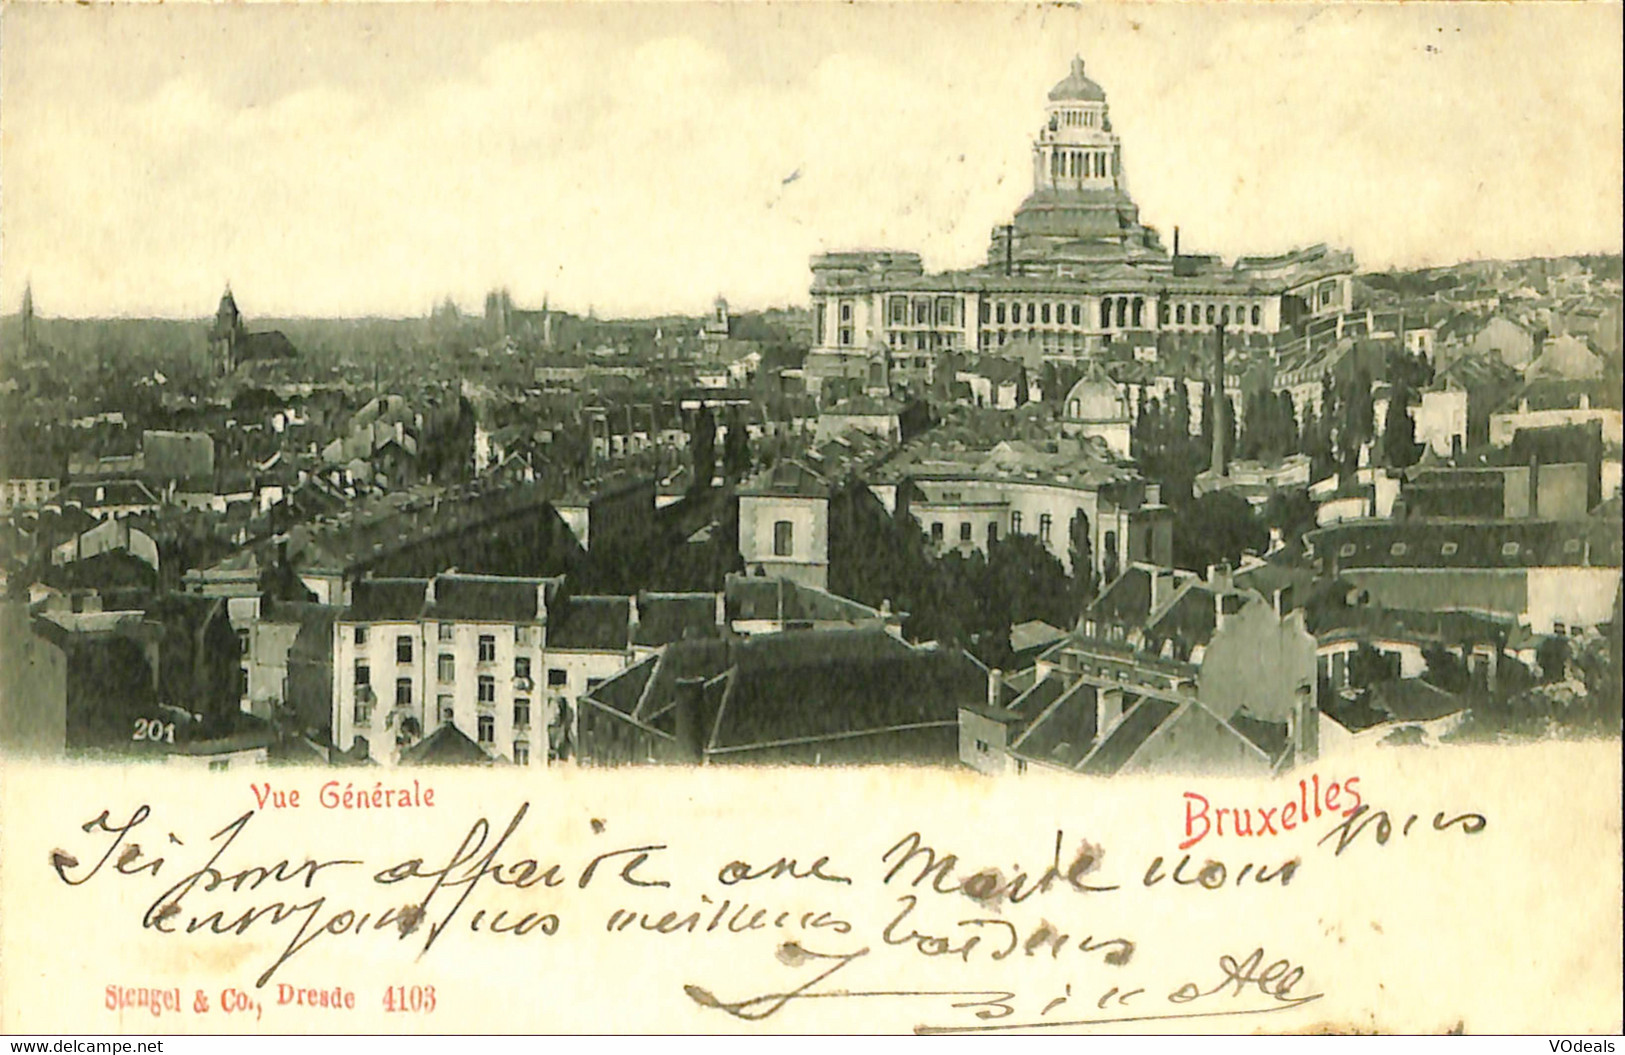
1102	389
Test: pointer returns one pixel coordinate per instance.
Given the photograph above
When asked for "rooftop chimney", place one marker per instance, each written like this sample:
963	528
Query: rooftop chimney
1108	709
995	687
1176	240
1534	487
428	591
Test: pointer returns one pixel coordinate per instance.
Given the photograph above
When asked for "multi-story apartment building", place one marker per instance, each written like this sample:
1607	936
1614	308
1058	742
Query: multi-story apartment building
502	660
500	663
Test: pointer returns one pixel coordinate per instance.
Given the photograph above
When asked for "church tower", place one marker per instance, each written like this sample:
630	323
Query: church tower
226	336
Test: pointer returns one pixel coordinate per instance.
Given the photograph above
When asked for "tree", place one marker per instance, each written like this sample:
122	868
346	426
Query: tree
1553	657
1291	512
1368	667
1399	447
735	449
1080	552
702	449
1216	528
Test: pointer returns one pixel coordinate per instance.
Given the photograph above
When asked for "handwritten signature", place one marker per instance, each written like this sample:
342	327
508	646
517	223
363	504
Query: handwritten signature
1270	988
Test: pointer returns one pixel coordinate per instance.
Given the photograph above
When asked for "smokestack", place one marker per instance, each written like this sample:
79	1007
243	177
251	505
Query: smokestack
1221	423
689	695
1176	241
1009	247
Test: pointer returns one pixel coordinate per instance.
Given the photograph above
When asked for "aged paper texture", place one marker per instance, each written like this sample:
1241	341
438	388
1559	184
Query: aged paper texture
798	518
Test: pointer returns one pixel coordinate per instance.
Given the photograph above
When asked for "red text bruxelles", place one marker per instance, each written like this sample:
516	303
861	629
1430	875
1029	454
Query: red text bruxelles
1311	802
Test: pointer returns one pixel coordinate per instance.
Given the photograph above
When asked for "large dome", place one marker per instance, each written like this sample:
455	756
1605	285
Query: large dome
1077	87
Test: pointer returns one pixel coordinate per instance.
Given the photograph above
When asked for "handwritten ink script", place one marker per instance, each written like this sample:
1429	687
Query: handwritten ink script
1053	944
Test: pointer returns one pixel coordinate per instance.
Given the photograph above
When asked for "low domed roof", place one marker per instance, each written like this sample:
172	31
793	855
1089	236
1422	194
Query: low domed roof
1077	87
1095	398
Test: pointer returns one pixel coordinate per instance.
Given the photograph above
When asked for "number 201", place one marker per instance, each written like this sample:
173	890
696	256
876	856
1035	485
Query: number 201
153	729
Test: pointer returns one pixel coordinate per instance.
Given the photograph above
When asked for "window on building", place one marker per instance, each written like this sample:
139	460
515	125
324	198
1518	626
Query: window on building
985	311
1397	549
1044	523
1139	313
363	675
846	311
846	336
488	648
1031	312
1258	315
521	711
936	532
363	712
992	533
488	689
784	538
361	635
1509	549
998	313
1077	315
488	729
1347	549
447	707
965	531
1448	549
403	692
447	667
898	311
556	678
403	649
521	667
1210	315
446	631
1015	523
521	752
1045	313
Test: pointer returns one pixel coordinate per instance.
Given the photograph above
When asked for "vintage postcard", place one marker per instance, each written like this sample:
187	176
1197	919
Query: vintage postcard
758	518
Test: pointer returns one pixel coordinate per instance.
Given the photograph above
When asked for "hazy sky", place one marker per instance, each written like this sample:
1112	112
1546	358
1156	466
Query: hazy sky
339	159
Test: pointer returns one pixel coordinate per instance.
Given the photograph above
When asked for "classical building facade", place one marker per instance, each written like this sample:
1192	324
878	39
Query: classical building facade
1075	275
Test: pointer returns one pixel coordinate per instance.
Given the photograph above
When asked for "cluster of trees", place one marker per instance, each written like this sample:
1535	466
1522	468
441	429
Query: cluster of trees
969	599
737	460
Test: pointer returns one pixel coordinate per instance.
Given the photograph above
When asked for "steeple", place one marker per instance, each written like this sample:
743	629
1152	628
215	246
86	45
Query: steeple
28	318
227	332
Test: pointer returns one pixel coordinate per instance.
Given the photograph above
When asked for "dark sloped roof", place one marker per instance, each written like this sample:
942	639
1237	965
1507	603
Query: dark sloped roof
446	746
1143	719
1127	601
1063	732
488	599
594	624
664	618
622	692
386	600
788	478
810	696
1268	737
1414	700
756	597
